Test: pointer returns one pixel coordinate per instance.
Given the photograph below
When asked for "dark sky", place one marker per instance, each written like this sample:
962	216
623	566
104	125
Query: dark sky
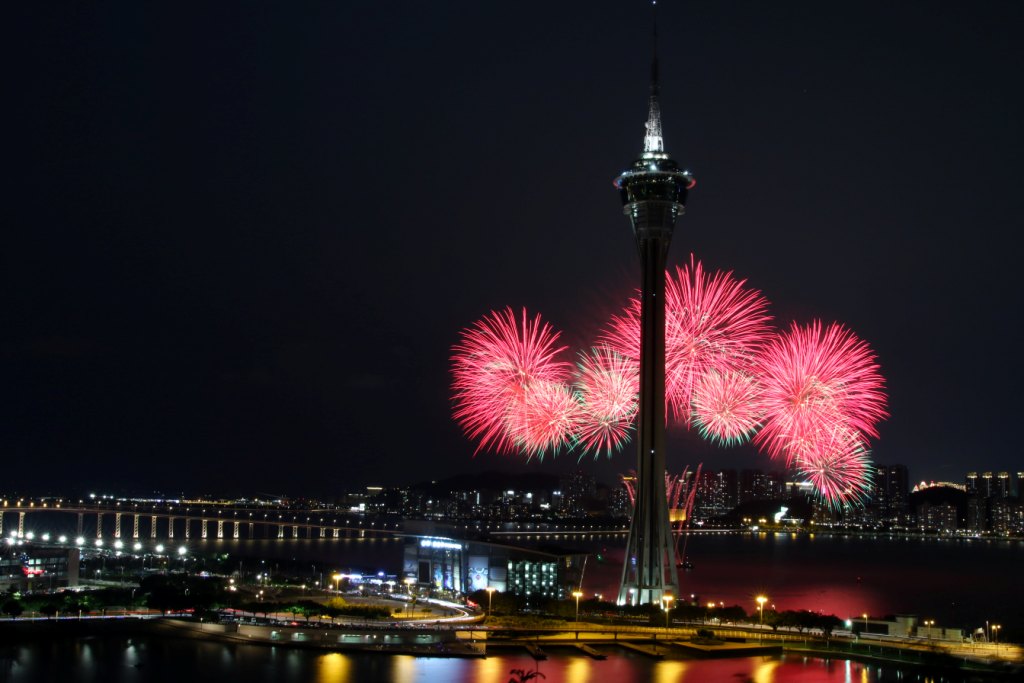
240	239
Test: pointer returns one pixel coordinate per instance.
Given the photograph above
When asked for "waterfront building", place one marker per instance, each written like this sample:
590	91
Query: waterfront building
890	494
940	517
27	568
448	565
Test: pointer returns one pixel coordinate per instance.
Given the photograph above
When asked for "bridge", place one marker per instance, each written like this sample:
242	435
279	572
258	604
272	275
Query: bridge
170	521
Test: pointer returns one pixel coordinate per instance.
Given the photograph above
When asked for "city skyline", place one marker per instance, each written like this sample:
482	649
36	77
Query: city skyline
187	287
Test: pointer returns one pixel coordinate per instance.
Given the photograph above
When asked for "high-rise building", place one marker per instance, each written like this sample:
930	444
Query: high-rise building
972	483
986	486
891	493
653	192
1002	485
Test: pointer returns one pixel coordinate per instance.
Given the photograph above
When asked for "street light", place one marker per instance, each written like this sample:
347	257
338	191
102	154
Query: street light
760	610
711	606
409	581
760	607
865	622
490	594
577	595
337	583
995	636
666	601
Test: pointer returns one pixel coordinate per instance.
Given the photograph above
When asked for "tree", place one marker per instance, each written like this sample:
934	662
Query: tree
13	608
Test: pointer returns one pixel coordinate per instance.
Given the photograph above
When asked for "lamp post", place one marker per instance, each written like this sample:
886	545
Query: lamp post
409	581
865	622
667	603
995	636
490	595
760	612
337	583
577	595
711	606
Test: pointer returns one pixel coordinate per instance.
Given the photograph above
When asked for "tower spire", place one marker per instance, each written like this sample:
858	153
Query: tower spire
654	143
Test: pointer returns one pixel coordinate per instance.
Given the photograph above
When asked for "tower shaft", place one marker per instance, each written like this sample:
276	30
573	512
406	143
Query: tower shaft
649	571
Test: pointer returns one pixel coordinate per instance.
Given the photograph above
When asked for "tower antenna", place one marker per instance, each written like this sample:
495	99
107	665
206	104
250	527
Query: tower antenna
654	143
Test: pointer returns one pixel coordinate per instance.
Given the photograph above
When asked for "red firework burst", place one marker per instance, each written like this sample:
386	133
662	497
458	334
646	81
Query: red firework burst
839	467
543	418
727	406
607	384
817	379
712	322
494	367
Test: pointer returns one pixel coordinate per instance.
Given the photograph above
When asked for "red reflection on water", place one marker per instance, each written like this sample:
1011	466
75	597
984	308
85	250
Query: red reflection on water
840	591
623	667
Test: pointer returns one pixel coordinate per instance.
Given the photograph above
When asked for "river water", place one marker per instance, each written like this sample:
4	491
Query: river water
149	659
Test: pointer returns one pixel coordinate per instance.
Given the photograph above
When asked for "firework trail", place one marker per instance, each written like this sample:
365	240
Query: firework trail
675	488
839	468
727	406
503	374
607	386
712	322
815	380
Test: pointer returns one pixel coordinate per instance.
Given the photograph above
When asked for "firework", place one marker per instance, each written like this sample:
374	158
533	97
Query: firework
607	385
712	322
544	417
498	367
817	379
727	406
839	467
675	488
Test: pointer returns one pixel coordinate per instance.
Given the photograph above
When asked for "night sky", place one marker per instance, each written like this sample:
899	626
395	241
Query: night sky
240	240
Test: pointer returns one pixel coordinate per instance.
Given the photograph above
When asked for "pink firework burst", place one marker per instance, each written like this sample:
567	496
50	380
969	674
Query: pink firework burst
727	406
839	467
607	385
712	322
817	379
495	365
544	418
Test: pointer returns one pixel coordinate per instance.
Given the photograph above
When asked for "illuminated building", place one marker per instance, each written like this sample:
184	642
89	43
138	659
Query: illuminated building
448	565
653	192
28	568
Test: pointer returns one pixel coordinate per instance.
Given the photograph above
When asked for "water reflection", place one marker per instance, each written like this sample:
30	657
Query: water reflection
764	671
669	671
147	658
578	670
333	668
